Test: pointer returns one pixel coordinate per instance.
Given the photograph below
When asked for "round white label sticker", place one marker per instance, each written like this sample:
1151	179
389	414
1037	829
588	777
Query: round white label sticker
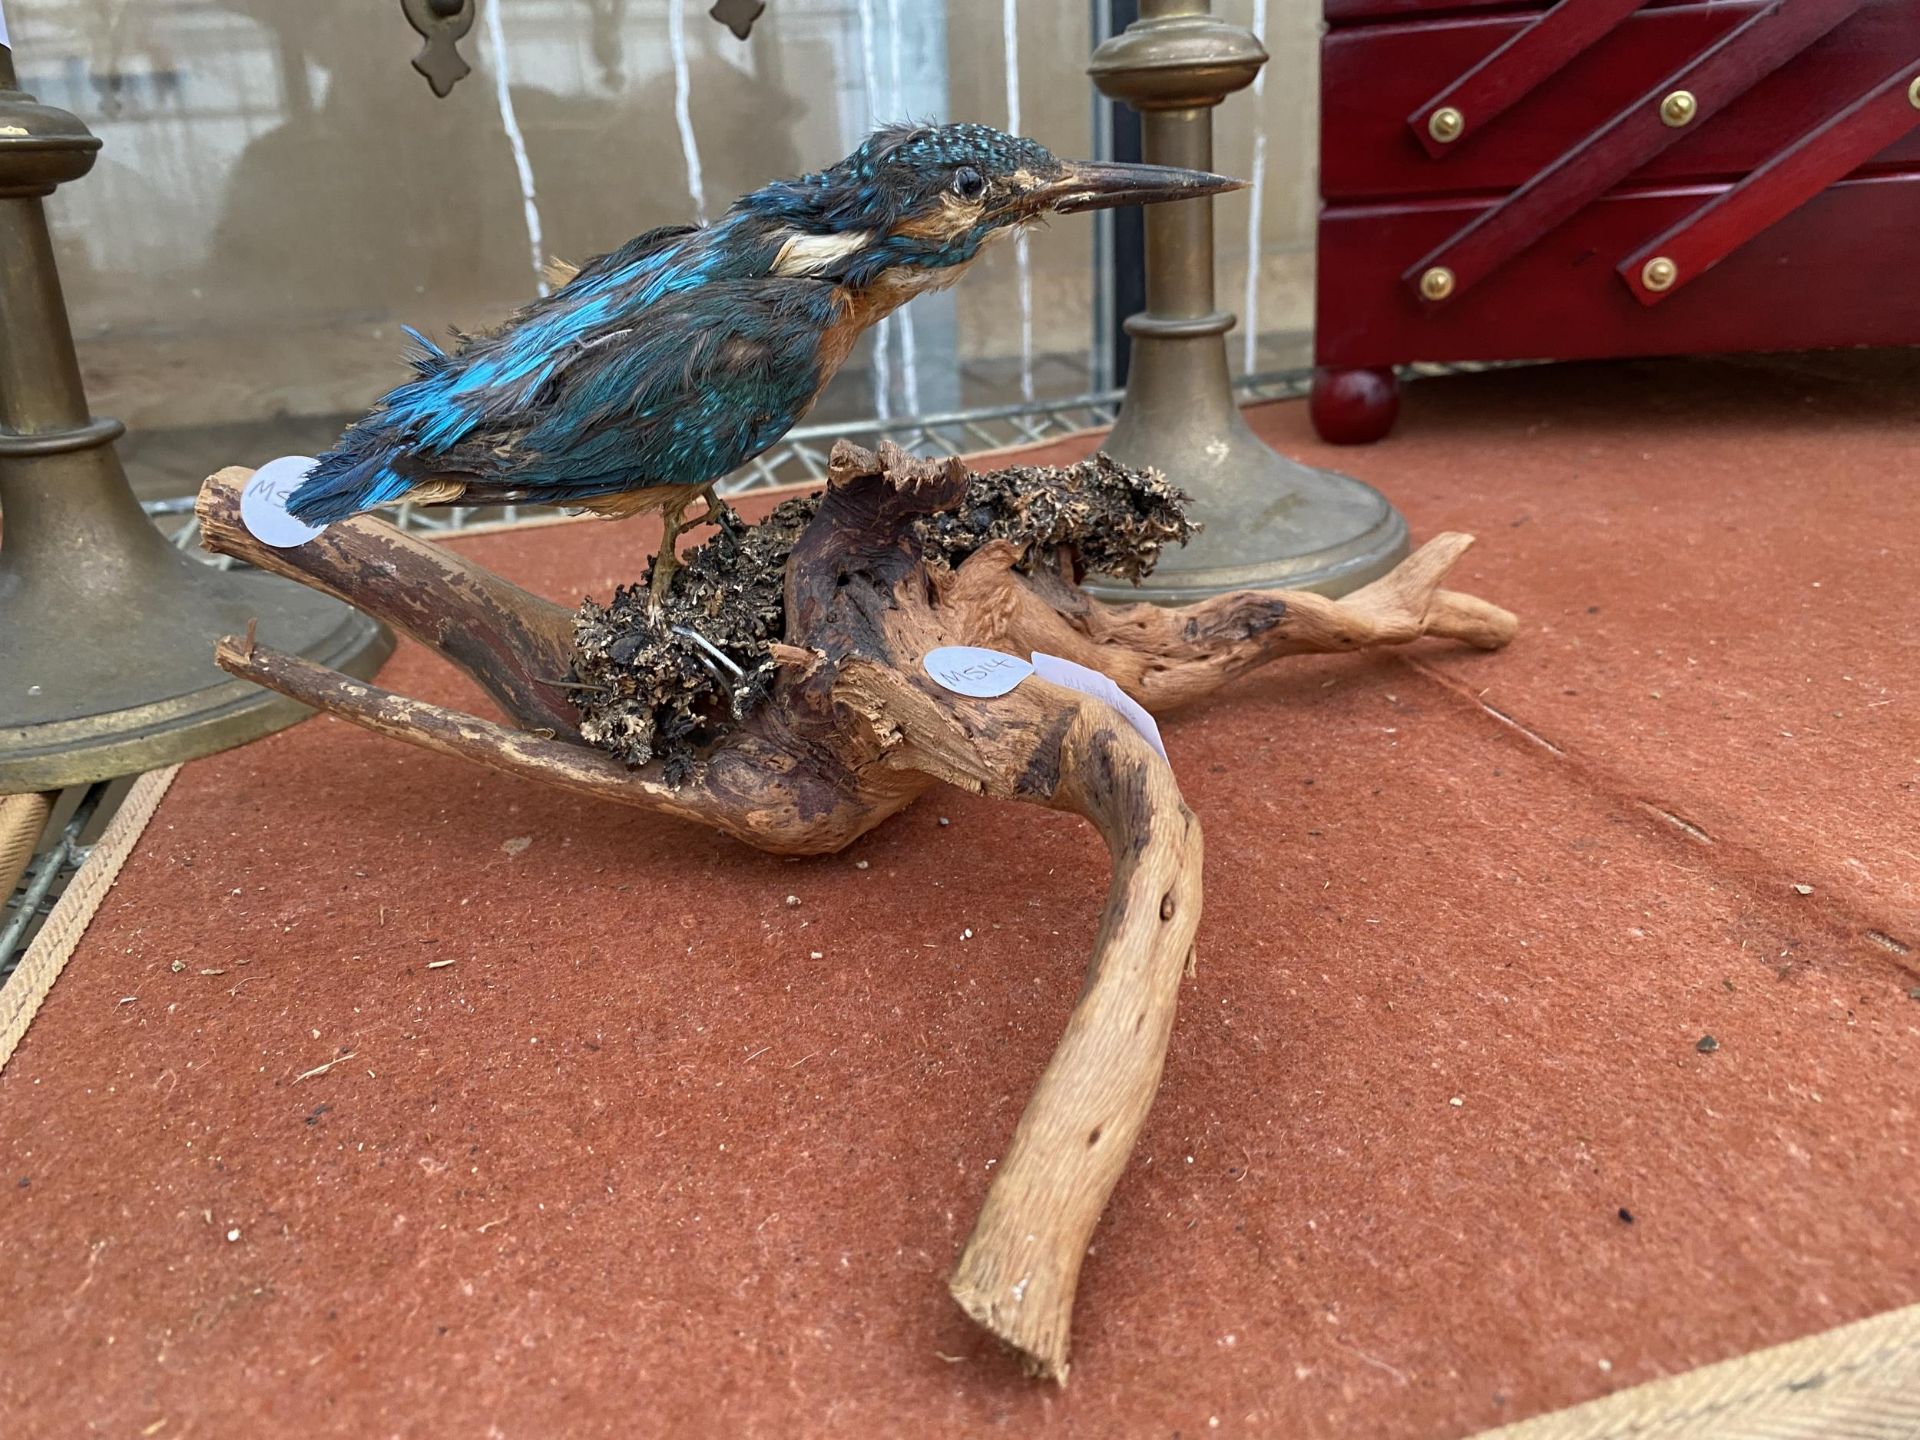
263	504
971	670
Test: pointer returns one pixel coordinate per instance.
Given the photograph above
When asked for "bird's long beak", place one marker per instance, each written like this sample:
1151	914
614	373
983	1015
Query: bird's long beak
1104	184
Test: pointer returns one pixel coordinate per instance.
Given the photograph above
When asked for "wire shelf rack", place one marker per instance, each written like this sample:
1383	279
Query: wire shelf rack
45	879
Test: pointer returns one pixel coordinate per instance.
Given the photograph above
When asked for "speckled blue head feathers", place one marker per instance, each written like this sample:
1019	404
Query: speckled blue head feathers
901	170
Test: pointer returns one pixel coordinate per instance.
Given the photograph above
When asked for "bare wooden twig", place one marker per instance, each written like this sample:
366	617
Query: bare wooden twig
1167	658
508	639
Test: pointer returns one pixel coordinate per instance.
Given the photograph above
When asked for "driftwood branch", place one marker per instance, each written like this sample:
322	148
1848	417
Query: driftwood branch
516	645
1021	1265
1166	658
853	729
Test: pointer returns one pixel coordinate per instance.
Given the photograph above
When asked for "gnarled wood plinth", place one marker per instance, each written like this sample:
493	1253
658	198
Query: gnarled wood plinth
853	730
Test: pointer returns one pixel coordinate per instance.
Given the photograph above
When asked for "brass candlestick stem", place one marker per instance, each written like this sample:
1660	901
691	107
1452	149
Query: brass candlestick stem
106	630
1270	522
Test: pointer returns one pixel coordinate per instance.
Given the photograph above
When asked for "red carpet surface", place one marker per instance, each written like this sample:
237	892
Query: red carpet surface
612	1139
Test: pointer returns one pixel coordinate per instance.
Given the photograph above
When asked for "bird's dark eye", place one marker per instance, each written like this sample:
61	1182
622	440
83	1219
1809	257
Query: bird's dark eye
968	183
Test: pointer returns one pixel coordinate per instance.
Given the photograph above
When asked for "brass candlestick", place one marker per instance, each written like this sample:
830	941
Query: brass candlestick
1270	522
106	630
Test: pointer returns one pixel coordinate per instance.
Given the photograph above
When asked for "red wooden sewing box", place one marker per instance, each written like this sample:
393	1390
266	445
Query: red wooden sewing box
1532	181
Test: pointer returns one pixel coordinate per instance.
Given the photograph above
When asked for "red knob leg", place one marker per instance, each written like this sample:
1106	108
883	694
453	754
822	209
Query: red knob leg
1354	407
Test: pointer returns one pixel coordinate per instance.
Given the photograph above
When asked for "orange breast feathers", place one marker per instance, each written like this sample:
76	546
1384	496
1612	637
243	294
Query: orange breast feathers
867	306
636	502
856	311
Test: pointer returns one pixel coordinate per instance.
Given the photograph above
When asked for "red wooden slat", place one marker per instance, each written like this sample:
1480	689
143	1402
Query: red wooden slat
1373	76
1827	153
1532	55
1340	13
1758	47
1837	271
1346	11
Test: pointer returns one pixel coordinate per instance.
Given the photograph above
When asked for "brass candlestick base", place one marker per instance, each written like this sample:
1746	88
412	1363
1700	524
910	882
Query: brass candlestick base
106	647
107	631
1270	522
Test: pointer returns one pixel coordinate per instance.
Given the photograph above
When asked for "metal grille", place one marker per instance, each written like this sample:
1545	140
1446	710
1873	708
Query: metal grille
46	879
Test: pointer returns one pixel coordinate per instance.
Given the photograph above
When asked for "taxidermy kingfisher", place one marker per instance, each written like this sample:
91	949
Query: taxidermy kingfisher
658	369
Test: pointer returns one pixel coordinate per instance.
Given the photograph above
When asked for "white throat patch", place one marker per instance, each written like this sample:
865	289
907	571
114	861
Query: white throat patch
811	254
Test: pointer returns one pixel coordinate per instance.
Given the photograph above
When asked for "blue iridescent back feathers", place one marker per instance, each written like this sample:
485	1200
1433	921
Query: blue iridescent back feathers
677	358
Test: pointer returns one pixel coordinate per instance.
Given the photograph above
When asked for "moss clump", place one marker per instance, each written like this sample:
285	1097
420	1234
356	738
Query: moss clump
1115	519
646	689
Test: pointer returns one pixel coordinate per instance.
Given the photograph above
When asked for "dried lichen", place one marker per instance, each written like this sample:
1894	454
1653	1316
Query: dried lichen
646	689
1117	520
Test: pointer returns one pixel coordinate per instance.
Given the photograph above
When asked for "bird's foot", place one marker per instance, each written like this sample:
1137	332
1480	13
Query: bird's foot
661	584
666	560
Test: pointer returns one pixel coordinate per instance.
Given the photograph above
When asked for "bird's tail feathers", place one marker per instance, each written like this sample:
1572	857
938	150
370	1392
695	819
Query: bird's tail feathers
343	484
429	358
